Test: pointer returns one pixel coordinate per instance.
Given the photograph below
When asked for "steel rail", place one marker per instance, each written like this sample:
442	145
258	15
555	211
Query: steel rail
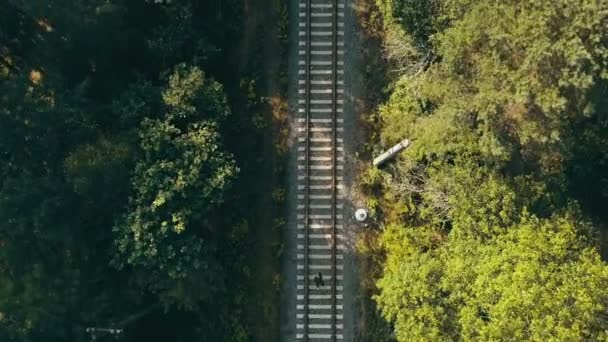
335	166
307	173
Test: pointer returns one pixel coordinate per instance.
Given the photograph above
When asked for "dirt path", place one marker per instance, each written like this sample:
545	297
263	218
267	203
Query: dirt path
260	62
352	140
289	261
367	72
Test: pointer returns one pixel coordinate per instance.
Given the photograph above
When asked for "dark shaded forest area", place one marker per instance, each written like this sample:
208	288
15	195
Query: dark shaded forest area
123	191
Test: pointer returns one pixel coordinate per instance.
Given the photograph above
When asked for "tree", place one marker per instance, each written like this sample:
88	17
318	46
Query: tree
166	234
501	122
90	138
541	280
499	273
54	255
507	75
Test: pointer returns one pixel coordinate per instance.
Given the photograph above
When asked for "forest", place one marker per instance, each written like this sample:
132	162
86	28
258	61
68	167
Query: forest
137	154
123	191
494	221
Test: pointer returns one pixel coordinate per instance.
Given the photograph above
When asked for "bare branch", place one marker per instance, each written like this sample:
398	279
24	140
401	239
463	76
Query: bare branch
411	178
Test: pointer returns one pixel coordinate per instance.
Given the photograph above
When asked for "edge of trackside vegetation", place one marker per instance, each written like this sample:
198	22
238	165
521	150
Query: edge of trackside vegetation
456	209
265	56
371	327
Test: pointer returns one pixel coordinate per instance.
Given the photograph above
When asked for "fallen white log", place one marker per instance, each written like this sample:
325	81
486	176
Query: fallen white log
391	152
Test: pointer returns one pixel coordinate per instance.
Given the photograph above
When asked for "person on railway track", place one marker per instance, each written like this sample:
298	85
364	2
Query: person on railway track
319	280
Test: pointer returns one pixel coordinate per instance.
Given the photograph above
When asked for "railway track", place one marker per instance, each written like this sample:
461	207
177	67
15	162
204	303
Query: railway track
320	170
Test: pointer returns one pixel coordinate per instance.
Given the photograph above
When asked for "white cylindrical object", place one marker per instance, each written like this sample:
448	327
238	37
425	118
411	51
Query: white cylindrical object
391	152
361	214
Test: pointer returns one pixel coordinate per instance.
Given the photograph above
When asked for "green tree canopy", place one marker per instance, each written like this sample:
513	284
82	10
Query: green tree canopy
501	273
176	186
498	239
102	126
537	281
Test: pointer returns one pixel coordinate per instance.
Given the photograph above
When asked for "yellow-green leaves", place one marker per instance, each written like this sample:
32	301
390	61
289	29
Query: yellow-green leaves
521	71
509	127
537	280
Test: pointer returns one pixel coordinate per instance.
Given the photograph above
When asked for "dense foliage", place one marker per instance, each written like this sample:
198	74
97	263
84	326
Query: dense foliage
181	179
492	215
116	179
